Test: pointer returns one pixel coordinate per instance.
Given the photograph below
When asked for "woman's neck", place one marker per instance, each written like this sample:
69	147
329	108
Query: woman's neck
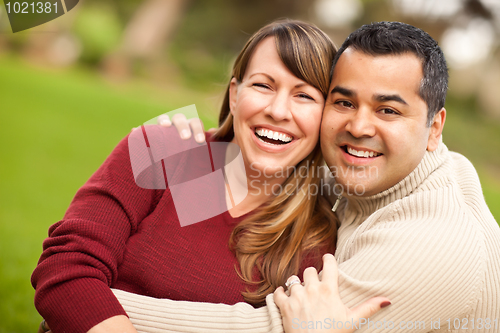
259	192
246	191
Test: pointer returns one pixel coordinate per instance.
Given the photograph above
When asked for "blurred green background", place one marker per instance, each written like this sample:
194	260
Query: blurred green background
72	88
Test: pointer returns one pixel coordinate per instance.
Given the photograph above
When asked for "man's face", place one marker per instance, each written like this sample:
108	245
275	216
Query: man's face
373	132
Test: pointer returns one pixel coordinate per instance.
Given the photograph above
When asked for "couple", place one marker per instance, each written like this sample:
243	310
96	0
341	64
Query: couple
419	232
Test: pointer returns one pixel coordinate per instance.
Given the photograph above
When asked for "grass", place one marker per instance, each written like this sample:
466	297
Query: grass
58	127
477	137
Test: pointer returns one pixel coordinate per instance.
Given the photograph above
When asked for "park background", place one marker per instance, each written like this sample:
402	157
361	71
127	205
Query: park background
72	88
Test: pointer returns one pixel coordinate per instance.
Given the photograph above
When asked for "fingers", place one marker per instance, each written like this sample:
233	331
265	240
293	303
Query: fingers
184	126
212	131
197	128
290	282
310	275
44	327
330	273
370	307
40	328
280	298
181	123
164	120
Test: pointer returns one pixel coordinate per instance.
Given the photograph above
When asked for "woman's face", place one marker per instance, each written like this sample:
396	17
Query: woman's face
277	116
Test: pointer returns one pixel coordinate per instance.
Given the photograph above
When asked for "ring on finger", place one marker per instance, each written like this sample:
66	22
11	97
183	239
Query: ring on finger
289	285
292	280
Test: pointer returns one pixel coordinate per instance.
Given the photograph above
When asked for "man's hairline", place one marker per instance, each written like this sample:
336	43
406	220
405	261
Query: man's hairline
420	58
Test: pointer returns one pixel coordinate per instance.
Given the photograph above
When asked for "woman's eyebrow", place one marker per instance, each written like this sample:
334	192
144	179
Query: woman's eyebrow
266	75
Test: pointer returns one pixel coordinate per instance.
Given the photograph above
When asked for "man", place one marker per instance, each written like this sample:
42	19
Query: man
414	224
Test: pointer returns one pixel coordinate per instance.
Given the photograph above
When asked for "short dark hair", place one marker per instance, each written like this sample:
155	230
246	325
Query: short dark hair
385	38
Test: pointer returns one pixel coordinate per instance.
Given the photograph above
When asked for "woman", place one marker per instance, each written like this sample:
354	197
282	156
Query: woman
118	235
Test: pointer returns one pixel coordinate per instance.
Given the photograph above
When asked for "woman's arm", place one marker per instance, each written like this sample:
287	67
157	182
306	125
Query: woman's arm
162	315
116	324
81	256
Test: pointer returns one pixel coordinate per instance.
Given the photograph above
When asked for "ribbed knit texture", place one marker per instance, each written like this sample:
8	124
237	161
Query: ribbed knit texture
116	234
429	243
163	315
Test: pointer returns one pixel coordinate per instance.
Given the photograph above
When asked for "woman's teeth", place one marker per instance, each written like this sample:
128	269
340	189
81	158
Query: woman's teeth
273	135
362	153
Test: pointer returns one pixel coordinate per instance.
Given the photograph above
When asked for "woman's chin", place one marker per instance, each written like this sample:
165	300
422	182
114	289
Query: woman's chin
270	168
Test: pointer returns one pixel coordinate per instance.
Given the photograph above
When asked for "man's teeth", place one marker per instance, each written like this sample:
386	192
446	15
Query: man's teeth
273	135
362	153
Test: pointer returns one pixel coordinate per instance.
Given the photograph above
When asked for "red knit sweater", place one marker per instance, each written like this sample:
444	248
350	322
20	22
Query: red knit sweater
116	234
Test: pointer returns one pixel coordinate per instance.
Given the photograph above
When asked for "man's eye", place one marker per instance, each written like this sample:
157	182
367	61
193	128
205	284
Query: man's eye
389	111
345	104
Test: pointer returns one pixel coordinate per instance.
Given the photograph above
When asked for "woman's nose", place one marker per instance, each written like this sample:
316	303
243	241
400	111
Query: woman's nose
279	107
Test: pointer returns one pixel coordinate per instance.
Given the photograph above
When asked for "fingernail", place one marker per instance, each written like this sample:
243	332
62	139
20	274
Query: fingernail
200	137
185	134
385	304
165	122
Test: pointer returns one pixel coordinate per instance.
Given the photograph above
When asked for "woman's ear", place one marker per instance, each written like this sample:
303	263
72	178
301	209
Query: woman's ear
233	94
436	130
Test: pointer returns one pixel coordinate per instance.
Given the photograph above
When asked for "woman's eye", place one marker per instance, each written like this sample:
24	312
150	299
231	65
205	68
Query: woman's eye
306	96
261	85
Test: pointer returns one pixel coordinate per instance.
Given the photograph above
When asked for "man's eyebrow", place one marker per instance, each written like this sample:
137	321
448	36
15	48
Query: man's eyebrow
385	98
343	91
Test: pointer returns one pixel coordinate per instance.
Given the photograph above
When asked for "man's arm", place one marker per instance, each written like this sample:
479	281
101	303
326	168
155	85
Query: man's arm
150	314
431	274
430	269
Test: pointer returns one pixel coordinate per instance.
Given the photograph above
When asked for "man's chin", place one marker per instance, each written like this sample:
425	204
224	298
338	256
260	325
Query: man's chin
355	187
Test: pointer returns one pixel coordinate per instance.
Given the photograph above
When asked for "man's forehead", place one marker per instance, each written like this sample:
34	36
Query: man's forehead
386	64
410	58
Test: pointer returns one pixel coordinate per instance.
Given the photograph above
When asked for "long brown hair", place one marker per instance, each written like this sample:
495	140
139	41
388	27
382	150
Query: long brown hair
273	241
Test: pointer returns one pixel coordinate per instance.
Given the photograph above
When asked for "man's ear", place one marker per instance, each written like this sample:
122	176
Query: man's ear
233	94
436	130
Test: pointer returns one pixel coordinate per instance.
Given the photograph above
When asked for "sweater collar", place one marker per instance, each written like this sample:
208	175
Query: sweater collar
368	205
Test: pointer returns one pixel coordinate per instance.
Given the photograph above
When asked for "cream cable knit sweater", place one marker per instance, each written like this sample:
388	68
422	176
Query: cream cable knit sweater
430	244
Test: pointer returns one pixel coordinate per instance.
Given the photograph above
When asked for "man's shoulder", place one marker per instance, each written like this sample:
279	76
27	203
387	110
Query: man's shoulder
455	185
446	216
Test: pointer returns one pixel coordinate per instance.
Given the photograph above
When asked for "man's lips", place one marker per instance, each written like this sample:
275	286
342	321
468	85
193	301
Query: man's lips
358	155
360	152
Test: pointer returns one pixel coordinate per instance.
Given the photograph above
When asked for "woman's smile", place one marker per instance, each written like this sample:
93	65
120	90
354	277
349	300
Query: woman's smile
276	115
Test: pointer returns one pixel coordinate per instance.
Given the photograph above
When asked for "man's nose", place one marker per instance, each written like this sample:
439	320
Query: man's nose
361	123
